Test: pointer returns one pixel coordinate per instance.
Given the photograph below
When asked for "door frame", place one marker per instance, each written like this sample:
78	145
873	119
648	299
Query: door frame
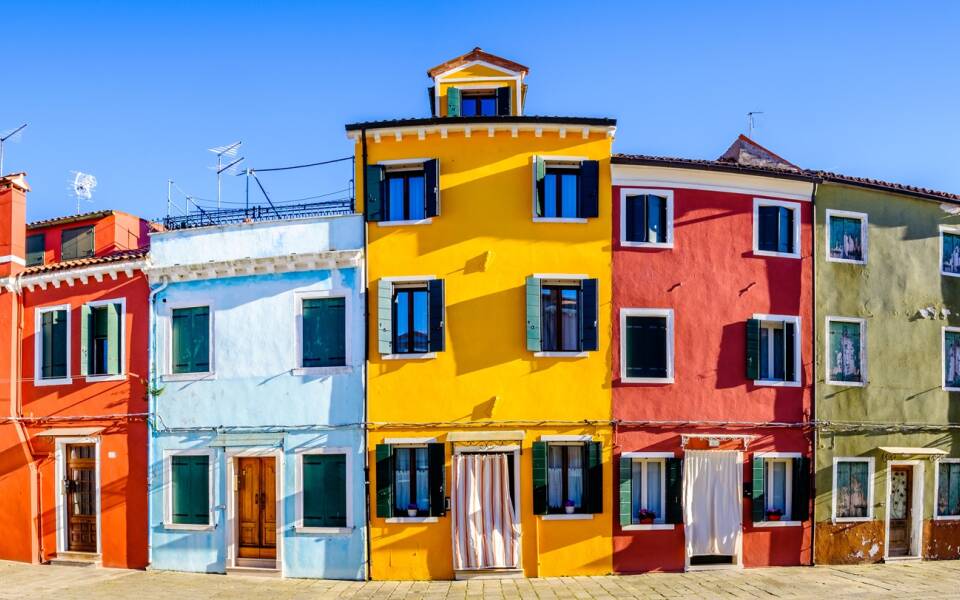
518	510
916	519
738	558
60	463
232	522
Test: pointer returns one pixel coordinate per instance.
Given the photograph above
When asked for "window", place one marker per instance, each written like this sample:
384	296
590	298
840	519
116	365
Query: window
324	490
951	358
853	489
101	339
561	314
52	356
403	192
190	489
646	346
77	243
324	332
35	249
949	251
568	478
565	188
646	218
478	102
847	237
191	339
948	488
410	480
411	314
846	351
773	344
650	490
780	488
776	228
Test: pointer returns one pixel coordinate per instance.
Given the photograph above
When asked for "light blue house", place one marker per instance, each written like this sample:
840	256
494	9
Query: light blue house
257	397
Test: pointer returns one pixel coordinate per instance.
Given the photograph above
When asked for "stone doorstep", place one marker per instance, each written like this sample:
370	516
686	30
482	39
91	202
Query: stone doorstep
253	572
482	574
76	559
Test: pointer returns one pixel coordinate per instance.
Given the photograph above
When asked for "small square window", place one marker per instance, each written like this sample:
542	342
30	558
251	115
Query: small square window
845	351
77	243
646	218
478	104
36	244
847	237
776	228
558	197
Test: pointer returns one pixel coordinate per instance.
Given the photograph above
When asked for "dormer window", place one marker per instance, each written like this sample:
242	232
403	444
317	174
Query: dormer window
403	192
485	102
478	104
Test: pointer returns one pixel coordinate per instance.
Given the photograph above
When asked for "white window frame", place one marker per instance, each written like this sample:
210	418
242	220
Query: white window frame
169	375
407	443
123	340
789	458
298	492
954	230
560	279
793	206
299	297
797	359
628	192
870	489
646	458
936	490
38	380
646	312
565	440
846	214
787	484
943	358
408	164
411	280
863	351
168	455
548	159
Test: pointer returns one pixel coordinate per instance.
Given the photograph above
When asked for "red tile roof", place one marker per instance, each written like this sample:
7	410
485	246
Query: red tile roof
99	214
474	55
115	257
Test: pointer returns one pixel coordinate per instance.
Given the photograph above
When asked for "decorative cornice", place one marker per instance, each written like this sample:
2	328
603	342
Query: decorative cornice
71	277
485	129
312	261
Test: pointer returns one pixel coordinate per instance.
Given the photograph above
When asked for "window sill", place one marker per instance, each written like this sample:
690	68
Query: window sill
413	520
323	530
769	254
651	527
947	518
320	371
560	220
43	382
846	261
184	527
774	383
420	356
778	523
653	245
189	376
565	517
846	383
96	378
402	223
852	519
944	273
951	389
561	354
665	380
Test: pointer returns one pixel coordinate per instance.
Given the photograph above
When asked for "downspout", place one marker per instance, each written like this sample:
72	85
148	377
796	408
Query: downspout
152	378
813	371
366	352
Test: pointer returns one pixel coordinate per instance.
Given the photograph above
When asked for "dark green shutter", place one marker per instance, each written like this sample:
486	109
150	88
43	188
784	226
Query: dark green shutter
54	344
539	478
324	490
790	351
436	475
753	349
384	455
385	317
533	314
191	490
437	333
664	226
539	172
768	228
588	205
431	181
594	477
323	329
86	343
626	491
589	314
631	204
759	490
800	501
453	102
200	338
373	194
503	101
180	328
114	343
36	245
674	491
432	97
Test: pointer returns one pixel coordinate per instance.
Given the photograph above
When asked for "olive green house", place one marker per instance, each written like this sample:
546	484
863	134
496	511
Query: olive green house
887	339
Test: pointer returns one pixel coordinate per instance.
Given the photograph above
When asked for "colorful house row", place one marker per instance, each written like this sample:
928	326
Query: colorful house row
517	354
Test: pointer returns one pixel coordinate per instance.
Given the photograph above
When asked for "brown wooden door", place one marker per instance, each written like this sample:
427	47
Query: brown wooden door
80	489
257	507
900	505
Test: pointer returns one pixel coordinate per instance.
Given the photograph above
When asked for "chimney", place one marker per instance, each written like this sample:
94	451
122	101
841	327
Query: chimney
13	223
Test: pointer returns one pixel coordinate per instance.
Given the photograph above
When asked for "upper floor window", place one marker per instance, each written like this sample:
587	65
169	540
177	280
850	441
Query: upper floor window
77	243
411	314
53	345
36	244
951	359
101	339
565	188
190	328
567	477
478	102
646	218
950	250
646	345
847	237
410	480
846	351
323	332
561	314
776	228
403	193
773	345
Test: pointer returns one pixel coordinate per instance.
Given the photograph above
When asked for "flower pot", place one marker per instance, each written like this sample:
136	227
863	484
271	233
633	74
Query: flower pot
773	517
569	509
647	521
411	512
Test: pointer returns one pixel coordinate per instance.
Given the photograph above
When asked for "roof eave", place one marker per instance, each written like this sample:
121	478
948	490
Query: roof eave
719	167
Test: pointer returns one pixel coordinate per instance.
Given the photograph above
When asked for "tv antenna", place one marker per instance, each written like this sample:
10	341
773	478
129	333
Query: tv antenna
752	122
83	184
230	150
13	134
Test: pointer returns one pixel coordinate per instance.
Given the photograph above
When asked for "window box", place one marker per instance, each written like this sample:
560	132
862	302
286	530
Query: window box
565	189
776	228
852	489
650	491
410	322
52	346
780	488
773	350
646	218
562	313
646	345
410	474
567	473
403	192
846	351
846	237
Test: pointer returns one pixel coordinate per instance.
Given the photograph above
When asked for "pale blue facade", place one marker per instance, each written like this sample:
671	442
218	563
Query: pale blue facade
257	400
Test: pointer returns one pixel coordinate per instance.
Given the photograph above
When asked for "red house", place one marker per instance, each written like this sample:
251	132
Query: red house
712	358
73	402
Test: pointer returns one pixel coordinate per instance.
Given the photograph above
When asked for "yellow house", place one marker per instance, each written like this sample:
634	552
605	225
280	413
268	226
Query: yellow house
489	280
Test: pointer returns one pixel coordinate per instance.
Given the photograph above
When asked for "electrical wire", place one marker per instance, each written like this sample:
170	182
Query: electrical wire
316	164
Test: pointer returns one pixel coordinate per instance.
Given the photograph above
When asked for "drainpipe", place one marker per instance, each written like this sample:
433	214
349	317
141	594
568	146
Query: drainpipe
813	371
366	355
152	379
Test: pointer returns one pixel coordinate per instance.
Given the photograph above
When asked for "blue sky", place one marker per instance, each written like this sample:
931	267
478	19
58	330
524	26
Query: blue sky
135	94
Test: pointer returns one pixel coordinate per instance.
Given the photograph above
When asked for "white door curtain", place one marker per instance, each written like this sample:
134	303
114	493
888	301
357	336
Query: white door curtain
712	484
486	534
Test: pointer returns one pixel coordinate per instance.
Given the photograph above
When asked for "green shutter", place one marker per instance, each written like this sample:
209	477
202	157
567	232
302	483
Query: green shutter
324	490
789	346
86	343
191	490
36	244
385	316
800	500
180	344
589	314
753	349
539	172
759	489
453	102
114	343
594	477
46	345
373	193
323	330
588	205
504	96
384	456
190	329
436	475
674	491
626	491
54	351
200	332
539	478
533	314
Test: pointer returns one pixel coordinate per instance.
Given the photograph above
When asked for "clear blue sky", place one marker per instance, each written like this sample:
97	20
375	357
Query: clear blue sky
135	95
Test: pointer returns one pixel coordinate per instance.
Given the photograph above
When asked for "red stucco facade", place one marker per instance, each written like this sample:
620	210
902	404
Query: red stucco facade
714	282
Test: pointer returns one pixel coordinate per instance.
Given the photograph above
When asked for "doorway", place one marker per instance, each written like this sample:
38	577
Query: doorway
257	509
712	508
80	495
904	509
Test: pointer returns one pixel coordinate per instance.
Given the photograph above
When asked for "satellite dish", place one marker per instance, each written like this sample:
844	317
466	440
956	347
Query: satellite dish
83	185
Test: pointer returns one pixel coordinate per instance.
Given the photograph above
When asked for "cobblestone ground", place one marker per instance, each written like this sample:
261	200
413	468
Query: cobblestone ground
904	580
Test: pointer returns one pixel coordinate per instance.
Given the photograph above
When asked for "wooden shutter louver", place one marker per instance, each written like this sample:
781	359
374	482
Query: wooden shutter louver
533	314
588	205
589	314
384	467
753	349
539	478
758	495
437	329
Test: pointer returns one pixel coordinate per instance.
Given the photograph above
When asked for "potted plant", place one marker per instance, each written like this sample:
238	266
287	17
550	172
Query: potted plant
646	517
412	510
569	506
774	515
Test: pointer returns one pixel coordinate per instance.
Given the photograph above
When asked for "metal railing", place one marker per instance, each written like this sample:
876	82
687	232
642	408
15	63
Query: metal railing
226	216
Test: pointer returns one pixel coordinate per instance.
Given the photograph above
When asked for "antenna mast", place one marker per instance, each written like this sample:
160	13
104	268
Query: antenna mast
4	139
752	122
221	151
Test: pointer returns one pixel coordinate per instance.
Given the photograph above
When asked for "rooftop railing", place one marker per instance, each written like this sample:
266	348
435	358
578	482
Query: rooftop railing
252	214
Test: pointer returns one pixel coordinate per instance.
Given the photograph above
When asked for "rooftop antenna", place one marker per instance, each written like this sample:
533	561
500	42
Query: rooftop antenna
83	184
752	122
6	137
229	150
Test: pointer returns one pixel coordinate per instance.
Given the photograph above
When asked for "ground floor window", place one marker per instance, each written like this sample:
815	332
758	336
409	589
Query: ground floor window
190	489
650	488
411	480
325	490
567	477
948	488
852	488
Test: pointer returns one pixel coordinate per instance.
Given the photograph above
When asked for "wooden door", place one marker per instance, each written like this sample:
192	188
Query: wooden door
257	507
80	490
900	505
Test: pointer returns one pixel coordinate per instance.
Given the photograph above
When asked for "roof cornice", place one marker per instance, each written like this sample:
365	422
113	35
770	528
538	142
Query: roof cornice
287	263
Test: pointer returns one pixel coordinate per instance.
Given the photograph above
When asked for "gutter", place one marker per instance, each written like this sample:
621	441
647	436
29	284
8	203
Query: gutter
366	356
811	485
151	406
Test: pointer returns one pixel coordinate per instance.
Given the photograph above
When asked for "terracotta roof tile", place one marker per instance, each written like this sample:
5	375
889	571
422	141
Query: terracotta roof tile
99	214
474	55
119	256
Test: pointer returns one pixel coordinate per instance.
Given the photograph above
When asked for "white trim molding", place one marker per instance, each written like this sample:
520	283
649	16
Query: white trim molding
307	261
943	358
798	346
871	463
846	214
168	455
936	490
863	351
42	280
797	217
672	177
298	526
38	379
666	313
953	230
399	131
629	192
